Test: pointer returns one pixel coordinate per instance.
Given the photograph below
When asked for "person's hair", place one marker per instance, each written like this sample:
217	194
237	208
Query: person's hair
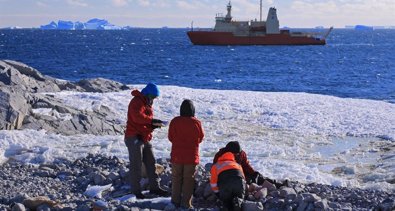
187	108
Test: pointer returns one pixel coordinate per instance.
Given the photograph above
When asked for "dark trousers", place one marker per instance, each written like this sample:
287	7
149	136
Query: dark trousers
233	188
139	153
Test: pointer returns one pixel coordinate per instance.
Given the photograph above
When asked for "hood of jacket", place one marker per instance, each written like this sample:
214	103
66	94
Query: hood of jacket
187	109
137	93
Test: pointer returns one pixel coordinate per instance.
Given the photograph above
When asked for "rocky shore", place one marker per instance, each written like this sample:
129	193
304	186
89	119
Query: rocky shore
97	182
100	183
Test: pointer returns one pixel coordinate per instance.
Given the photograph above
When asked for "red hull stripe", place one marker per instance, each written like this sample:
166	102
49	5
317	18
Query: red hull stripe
227	38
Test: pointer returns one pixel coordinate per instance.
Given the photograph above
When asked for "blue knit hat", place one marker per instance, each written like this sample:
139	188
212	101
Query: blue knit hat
151	89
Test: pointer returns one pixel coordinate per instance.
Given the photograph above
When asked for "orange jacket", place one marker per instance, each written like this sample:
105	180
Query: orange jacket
140	116
185	134
225	162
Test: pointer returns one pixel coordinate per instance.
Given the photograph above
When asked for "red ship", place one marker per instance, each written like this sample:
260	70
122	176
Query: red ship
228	32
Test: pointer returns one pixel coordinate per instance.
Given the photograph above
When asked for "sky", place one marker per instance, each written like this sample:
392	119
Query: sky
180	13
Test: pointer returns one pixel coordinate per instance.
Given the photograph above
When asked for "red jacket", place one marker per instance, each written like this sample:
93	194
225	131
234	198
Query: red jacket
225	162
140	115
185	134
241	158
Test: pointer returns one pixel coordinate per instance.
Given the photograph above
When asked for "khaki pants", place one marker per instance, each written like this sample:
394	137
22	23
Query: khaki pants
140	152
183	183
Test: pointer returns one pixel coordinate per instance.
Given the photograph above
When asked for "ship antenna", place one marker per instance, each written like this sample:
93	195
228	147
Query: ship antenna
260	12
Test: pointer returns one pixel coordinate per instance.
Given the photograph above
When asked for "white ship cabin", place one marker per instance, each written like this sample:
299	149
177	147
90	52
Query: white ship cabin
225	24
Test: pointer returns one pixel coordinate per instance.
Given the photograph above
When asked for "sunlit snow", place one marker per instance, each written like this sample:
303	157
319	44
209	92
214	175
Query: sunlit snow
299	136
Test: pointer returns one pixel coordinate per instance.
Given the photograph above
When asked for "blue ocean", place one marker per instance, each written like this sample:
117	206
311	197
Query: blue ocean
354	64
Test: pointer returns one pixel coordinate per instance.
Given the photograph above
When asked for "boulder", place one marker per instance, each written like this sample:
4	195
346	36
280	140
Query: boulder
101	85
13	108
22	101
26	78
34	202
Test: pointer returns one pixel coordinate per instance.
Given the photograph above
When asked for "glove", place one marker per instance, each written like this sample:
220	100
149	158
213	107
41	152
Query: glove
156	123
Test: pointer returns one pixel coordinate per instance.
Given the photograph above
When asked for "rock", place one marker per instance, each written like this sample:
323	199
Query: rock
98	178
270	187
285	192
13	108
158	205
302	206
310	197
26	78
21	92
83	207
100	205
260	194
334	205
101	85
253	187
252	206
322	204
34	202
387	205
43	207
18	207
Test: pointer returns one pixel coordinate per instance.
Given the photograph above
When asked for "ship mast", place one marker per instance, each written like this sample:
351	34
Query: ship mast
260	12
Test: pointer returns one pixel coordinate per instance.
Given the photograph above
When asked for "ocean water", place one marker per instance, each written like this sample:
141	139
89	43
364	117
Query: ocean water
353	64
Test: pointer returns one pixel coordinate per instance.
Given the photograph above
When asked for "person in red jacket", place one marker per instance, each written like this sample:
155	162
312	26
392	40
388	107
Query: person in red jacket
228	181
185	134
139	127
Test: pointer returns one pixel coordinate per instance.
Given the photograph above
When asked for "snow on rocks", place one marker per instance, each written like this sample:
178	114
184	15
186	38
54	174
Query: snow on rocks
24	104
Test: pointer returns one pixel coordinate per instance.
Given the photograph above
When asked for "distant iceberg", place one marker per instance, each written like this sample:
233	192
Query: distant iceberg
65	25
79	25
51	25
92	24
96	23
363	28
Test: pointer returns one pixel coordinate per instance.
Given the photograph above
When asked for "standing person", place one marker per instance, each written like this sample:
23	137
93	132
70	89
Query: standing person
138	134
228	181
185	134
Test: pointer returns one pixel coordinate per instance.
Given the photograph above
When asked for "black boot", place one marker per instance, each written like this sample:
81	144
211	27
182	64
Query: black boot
159	192
139	195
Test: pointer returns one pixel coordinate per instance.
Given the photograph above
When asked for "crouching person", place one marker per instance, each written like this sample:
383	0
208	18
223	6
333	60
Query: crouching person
228	181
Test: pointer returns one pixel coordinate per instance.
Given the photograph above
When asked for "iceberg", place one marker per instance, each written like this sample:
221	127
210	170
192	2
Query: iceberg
65	25
96	23
79	25
92	24
51	25
363	28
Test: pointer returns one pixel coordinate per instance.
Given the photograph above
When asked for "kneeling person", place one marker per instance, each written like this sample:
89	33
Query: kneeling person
228	181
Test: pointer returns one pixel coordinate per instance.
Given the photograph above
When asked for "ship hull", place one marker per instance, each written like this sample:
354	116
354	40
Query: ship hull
227	38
